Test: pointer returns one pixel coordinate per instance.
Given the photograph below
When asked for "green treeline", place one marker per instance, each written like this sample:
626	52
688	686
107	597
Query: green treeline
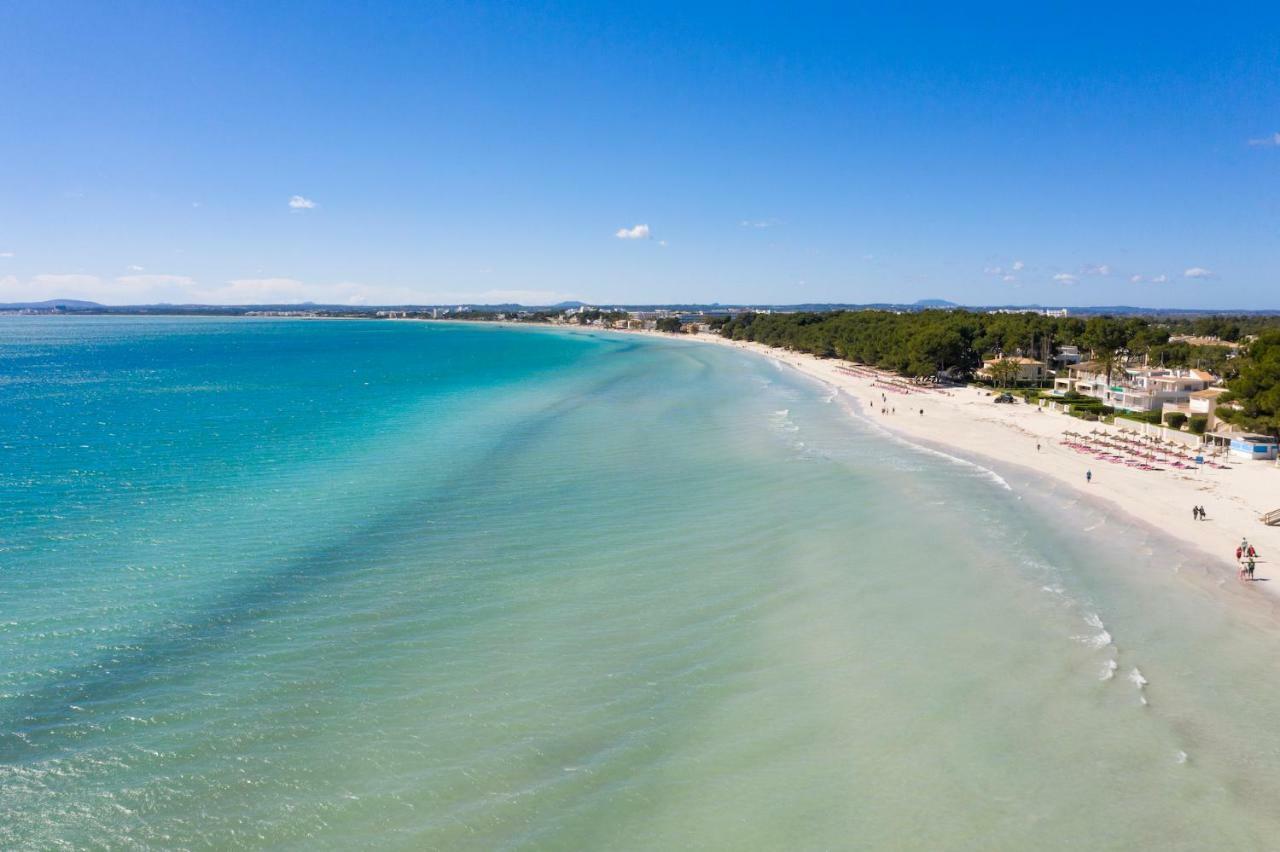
1255	389
925	343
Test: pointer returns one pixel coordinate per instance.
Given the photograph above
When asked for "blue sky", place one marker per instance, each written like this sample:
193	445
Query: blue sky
638	153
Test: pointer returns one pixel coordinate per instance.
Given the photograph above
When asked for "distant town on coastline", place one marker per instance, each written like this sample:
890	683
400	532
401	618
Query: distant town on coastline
1212	374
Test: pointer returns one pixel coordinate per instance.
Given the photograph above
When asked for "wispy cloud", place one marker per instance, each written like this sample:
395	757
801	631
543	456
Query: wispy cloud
6	254
759	223
1197	272
299	202
1160	279
251	291
638	232
1272	141
54	280
1065	278
148	281
1006	273
133	267
179	289
1135	279
1095	269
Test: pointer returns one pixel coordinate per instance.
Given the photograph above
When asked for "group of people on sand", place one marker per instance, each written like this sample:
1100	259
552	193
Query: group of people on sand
885	408
1246	558
1197	512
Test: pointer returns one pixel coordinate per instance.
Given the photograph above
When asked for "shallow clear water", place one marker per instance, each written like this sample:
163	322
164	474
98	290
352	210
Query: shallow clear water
343	584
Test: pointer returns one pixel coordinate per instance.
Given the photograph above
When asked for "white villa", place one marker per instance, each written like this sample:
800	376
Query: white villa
1134	388
1199	402
1029	369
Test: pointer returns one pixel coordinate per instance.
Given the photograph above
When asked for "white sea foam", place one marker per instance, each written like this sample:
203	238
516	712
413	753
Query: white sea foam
1101	638
1109	670
1136	678
1181	757
986	471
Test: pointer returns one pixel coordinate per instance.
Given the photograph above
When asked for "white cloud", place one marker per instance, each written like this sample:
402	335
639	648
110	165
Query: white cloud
759	223
74	281
1018	266
639	232
1010	278
1064	278
298	202
1198	272
48	286
254	291
6	254
180	289
1160	279
1096	269
993	270
133	267
1271	141
137	281
1135	279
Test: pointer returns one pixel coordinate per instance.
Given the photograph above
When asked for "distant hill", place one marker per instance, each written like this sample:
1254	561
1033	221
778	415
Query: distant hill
51	303
935	303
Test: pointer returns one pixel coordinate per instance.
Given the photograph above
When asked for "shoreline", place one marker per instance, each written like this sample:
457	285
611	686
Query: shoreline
966	421
965	424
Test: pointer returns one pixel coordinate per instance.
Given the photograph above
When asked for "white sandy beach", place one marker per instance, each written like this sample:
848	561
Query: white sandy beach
968	422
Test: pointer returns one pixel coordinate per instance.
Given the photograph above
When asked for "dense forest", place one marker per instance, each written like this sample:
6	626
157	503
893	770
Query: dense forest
925	343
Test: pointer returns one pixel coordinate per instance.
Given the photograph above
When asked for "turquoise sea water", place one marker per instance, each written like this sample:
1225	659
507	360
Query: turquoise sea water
288	584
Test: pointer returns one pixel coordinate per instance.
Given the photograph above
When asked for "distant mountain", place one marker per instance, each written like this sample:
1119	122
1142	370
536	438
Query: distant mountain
51	303
935	303
569	305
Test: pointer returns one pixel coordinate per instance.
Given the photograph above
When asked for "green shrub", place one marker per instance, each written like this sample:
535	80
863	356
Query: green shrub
1198	423
1176	420
1152	417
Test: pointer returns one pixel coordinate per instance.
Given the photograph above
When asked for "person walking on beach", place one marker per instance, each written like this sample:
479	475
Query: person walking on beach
1248	568
1195	513
1088	476
1239	553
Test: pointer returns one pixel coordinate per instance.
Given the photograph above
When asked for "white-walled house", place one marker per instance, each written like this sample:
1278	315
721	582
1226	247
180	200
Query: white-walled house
1029	369
1134	388
1198	402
